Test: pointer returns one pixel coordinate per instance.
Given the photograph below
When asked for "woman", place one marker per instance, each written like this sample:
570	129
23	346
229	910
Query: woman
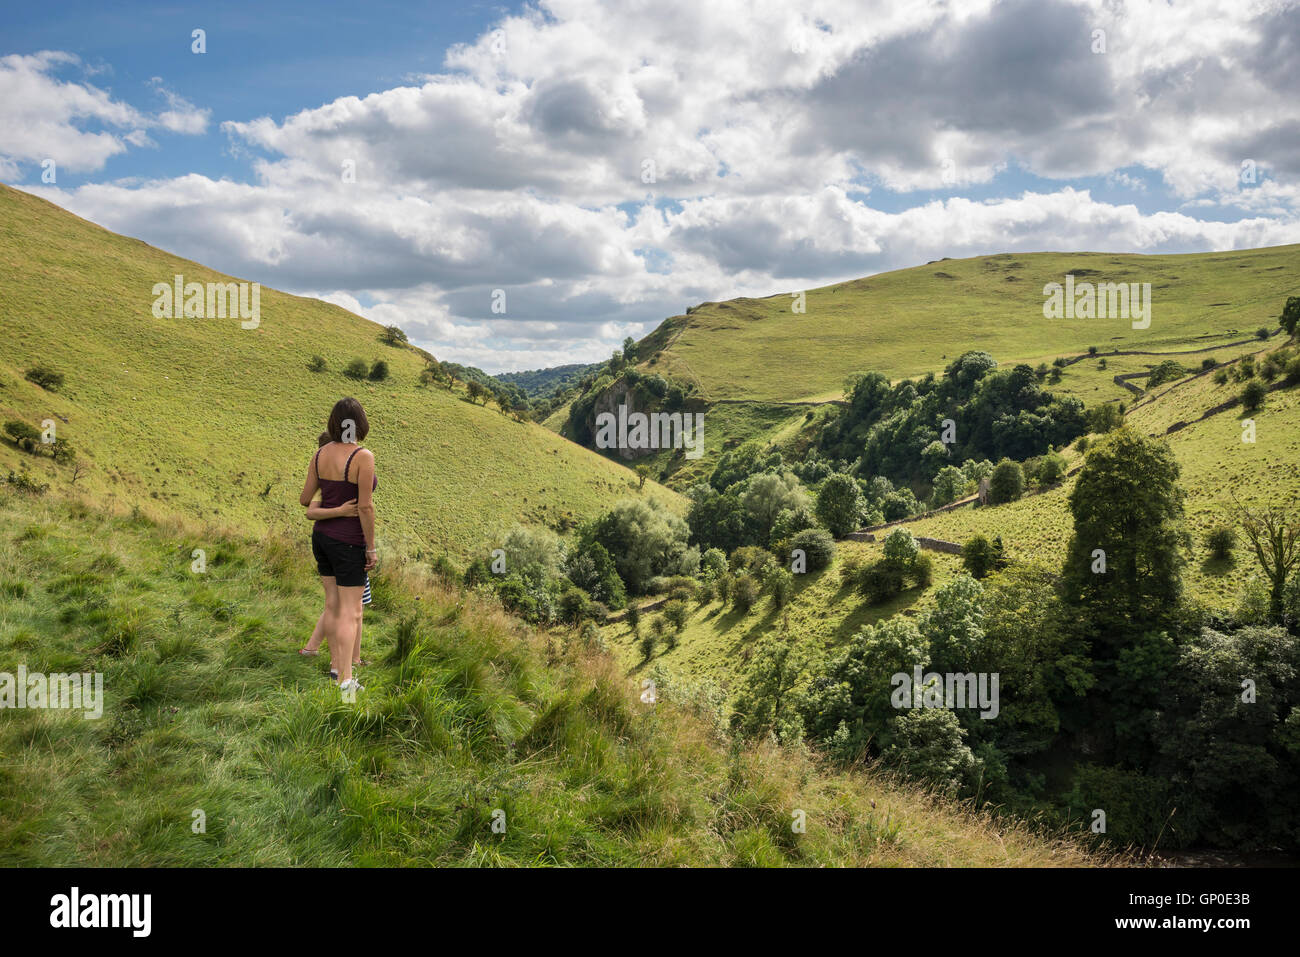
344	546
315	512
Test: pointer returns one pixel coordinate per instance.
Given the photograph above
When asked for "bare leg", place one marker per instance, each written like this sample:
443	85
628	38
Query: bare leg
345	629
328	618
356	651
317	634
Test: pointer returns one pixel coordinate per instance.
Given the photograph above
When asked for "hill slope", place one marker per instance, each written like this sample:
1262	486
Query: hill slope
466	714
913	321
203	418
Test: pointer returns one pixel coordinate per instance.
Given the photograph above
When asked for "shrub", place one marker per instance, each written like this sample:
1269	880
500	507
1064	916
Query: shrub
45	377
1221	377
744	592
838	503
922	570
1293	371
356	369
316	364
1221	540
724	584
633	616
817	545
379	371
1092	350
25	435
901	549
1262	332
977	556
1208	363
782	584
705	593
1252	397
1050	469
713	564
650	639
1007	483
1269	370
880	581
675	614
1167	371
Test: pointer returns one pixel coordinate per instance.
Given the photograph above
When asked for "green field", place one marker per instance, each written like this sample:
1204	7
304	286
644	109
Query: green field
466	713
202	418
913	321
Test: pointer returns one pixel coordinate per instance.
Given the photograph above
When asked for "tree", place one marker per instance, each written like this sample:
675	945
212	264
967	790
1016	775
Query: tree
1252	396
629	350
1007	483
769	494
901	549
477	391
948	485
838	503
817	545
392	335
45	377
977	556
1124	562
1290	315
744	592
768	701
1273	532
1221	540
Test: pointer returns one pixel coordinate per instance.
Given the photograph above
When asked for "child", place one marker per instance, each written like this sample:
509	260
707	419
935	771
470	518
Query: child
316	512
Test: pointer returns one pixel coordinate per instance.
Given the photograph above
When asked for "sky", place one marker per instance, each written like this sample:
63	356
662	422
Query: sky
524	185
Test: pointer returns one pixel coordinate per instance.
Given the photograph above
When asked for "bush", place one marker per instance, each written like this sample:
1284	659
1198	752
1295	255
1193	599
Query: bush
1051	467
25	435
705	593
901	549
744	593
922	570
817	545
724	585
1252	397
1262	332
650	639
356	369
1293	371
880	582
1269	370
1221	377
1007	483
633	616
782	584
1208	363
1092	350
713	563
45	377
379	371
675	614
839	501
977	556
1221	540
316	364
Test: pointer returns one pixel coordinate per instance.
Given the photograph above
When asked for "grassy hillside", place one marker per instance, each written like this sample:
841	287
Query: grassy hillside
466	712
1215	464
913	321
202	418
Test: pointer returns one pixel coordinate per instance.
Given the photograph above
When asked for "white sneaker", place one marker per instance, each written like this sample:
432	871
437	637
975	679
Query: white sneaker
351	684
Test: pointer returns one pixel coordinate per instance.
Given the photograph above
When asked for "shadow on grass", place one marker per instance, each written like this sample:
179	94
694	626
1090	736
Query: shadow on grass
1218	567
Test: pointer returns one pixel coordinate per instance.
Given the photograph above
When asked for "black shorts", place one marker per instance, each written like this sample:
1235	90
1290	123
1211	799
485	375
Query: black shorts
345	563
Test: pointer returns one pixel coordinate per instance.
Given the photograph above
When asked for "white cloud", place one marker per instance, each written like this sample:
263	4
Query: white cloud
785	149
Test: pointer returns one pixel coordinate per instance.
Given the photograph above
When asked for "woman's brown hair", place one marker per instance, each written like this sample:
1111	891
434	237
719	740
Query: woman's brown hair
343	410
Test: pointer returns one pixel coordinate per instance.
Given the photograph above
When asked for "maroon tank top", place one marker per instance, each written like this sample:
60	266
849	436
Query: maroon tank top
336	492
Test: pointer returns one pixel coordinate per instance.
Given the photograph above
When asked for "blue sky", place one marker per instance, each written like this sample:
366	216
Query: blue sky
609	164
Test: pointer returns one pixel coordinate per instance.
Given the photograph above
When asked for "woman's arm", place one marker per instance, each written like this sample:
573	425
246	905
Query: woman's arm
365	502
310	486
316	511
